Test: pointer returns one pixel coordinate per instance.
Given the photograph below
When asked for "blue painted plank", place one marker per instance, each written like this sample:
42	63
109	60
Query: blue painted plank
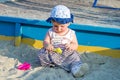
73	26
7	28
36	29
95	28
18	30
24	21
33	32
92	39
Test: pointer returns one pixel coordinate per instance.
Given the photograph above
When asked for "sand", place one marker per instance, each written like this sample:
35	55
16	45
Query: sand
83	11
101	67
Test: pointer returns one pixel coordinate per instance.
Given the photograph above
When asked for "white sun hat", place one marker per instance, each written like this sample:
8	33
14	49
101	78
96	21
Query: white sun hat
60	14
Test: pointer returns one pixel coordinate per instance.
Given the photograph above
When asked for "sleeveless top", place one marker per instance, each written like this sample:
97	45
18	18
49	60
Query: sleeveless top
60	41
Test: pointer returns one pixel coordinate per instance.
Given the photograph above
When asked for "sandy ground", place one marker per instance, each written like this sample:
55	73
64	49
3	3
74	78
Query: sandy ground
101	67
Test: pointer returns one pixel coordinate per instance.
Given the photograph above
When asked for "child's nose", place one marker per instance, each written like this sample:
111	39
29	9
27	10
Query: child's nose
59	28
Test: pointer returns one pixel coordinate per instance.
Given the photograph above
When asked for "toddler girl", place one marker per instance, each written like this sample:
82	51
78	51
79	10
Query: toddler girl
61	36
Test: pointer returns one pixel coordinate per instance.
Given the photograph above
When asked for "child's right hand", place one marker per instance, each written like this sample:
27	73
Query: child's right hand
50	47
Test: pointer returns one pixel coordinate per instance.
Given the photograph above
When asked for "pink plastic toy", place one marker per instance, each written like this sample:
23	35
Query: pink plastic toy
24	66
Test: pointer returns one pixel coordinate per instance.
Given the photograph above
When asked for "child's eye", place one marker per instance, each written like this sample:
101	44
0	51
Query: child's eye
55	26
62	26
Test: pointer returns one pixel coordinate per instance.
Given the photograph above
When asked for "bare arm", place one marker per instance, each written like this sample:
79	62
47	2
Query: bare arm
47	44
73	45
75	42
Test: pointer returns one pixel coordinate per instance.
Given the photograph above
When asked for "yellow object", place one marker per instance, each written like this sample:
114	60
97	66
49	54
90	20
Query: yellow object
58	50
17	41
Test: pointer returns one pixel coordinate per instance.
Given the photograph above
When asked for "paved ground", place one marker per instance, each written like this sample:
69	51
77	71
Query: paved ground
82	9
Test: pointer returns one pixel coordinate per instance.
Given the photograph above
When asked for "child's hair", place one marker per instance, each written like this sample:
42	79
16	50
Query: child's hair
60	14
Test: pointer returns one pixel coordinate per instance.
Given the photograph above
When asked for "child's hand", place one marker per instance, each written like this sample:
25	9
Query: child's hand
70	47
49	47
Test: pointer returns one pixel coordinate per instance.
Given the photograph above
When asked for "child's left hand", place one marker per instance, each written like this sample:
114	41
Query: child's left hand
70	47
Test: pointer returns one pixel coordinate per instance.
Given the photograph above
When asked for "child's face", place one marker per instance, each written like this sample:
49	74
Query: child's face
59	28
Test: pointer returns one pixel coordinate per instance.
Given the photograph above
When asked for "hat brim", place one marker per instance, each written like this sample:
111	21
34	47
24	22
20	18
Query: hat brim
61	20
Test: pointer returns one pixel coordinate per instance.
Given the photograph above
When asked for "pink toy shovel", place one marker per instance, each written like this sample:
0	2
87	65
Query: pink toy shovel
24	66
